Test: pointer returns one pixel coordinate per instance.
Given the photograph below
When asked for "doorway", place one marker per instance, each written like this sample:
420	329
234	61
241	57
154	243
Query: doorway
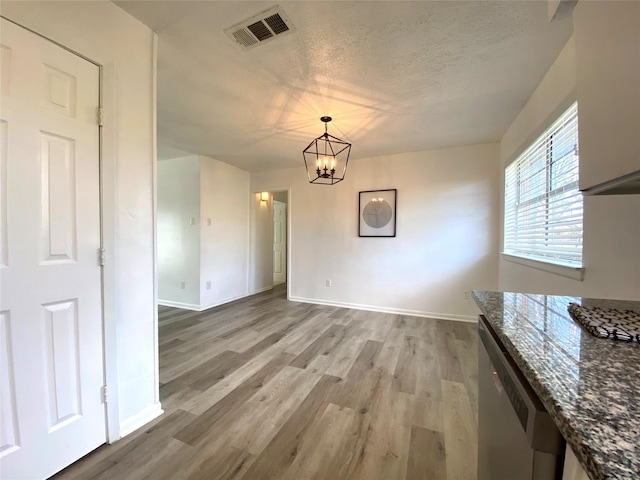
270	257
280	202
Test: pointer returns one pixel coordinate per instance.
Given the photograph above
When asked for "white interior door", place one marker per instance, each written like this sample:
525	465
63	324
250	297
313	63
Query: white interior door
279	242
51	350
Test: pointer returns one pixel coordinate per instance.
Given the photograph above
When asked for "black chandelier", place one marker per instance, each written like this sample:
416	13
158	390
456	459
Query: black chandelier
326	158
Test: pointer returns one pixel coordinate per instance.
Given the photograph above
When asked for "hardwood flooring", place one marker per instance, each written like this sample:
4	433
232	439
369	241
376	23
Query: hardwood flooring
263	389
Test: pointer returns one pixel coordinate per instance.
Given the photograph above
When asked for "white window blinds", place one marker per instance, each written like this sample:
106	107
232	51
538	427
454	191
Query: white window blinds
543	206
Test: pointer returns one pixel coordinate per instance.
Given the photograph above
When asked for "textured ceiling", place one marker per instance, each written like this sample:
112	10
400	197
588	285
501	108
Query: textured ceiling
395	76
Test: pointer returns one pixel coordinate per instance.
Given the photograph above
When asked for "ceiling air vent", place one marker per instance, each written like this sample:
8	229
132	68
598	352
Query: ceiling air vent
260	28
276	24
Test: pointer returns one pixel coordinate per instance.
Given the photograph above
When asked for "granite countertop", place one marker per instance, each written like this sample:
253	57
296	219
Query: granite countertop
589	385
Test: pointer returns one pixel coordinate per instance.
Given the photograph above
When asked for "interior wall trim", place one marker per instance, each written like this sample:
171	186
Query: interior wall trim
223	301
200	308
399	311
260	290
131	424
185	306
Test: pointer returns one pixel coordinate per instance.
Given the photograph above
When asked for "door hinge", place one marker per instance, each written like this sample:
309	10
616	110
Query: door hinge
104	394
100	117
101	256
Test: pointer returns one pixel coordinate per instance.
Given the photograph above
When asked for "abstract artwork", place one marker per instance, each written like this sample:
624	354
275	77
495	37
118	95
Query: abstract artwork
377	213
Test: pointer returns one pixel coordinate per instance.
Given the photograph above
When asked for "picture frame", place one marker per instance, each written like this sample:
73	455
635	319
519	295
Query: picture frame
377	213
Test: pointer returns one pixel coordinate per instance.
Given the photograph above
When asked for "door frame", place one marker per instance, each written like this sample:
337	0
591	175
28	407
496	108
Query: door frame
108	233
108	195
286	239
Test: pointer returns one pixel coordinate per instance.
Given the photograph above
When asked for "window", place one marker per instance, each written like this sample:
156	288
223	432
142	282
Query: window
543	206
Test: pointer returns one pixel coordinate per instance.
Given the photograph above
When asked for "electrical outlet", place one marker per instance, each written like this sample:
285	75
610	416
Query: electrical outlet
328	283
208	222
208	284
183	285
465	294
192	220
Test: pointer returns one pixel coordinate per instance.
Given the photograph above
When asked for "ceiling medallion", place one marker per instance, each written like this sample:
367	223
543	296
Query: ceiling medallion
326	158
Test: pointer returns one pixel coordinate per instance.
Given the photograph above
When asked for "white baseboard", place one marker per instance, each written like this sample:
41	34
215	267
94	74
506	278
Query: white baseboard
185	306
260	290
200	308
371	308
399	311
223	301
147	414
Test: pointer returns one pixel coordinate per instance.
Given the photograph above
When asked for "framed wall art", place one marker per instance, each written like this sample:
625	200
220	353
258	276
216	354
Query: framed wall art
377	213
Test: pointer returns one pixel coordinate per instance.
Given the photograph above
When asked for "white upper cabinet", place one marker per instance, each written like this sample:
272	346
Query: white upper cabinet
607	36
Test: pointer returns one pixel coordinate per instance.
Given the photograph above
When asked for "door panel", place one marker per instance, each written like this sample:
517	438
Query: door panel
8	417
58	199
279	242
51	362
3	192
63	369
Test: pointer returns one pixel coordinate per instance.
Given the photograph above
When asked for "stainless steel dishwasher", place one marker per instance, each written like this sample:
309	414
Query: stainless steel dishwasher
517	439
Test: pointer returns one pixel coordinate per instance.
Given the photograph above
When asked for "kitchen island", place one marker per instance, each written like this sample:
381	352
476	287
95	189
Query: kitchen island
590	386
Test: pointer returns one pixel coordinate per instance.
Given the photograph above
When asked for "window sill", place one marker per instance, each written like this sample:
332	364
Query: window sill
575	273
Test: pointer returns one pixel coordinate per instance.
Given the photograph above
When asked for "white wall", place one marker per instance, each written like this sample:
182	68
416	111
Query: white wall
447	232
210	255
611	250
178	238
281	196
125	48
224	244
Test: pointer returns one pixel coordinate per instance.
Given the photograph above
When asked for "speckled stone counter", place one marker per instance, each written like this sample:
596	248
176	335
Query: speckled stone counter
589	385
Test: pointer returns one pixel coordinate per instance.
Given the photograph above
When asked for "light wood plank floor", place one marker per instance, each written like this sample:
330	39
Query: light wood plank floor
263	388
